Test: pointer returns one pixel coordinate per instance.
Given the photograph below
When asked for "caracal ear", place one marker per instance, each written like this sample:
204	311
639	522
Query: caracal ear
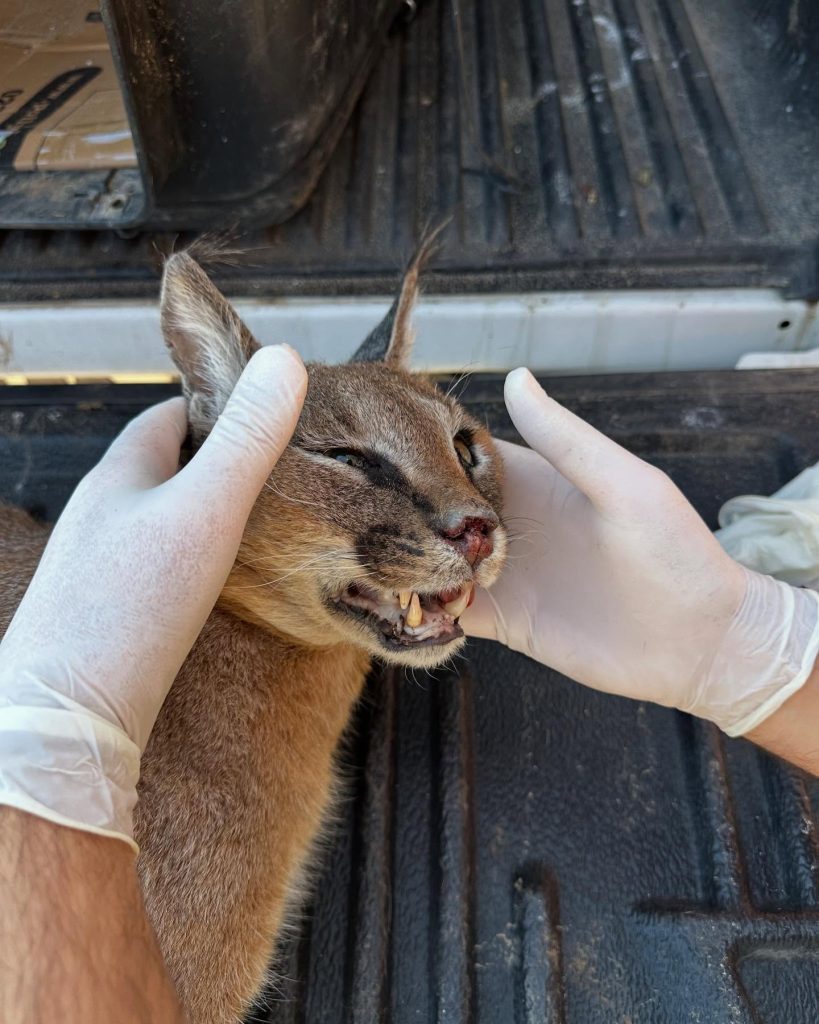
391	341
209	343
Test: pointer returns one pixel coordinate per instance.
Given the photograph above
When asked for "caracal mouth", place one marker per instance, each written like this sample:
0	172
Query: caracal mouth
407	618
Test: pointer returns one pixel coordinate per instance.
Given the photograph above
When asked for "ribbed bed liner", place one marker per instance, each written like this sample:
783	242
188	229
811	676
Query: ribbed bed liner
575	143
516	849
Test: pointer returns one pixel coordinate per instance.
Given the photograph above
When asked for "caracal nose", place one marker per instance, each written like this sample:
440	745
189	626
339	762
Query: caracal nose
471	535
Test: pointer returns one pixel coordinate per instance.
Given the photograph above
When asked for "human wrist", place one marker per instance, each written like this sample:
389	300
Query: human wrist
65	763
791	731
766	656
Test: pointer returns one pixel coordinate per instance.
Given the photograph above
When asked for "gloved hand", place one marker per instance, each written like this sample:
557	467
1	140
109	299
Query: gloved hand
614	580
128	578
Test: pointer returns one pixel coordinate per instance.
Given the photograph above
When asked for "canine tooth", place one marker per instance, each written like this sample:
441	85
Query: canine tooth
404	598
414	616
457	607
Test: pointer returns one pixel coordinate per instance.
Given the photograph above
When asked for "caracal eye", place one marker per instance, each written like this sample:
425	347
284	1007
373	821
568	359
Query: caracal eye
464	451
349	458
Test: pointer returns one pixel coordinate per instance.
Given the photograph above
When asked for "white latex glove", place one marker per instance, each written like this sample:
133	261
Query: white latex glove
128	578
779	534
614	580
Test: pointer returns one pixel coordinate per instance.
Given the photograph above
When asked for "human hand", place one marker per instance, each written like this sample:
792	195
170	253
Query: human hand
130	574
614	580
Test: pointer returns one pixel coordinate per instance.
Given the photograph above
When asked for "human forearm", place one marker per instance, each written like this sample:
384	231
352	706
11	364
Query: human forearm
76	943
792	732
129	575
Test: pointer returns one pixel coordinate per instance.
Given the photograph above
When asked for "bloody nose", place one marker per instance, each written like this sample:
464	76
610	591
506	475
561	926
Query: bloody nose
472	536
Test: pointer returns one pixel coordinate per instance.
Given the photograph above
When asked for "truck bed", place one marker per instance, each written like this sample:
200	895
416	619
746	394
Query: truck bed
514	847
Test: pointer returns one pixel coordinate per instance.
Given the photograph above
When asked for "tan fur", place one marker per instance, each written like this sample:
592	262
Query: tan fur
238	773
235	784
21	545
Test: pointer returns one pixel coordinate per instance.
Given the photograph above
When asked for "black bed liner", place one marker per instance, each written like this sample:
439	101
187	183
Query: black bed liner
579	144
516	849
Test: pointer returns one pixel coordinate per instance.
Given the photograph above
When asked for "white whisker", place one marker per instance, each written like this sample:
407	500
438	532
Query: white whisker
296	501
316	559
463	376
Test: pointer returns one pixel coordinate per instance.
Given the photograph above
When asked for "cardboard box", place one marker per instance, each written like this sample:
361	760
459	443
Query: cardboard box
60	103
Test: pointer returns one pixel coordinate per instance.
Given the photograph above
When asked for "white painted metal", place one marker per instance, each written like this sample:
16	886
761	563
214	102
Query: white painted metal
558	332
780	360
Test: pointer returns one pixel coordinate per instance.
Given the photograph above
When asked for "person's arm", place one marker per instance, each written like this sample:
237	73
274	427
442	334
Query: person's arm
792	731
130	573
615	581
76	944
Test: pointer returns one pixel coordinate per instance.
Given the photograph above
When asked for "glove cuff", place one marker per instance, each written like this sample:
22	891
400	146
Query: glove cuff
767	655
69	766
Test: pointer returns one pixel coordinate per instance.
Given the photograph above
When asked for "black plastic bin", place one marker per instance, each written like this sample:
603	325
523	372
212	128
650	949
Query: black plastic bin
234	109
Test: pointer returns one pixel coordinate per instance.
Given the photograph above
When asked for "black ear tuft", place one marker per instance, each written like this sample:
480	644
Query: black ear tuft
391	341
379	342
